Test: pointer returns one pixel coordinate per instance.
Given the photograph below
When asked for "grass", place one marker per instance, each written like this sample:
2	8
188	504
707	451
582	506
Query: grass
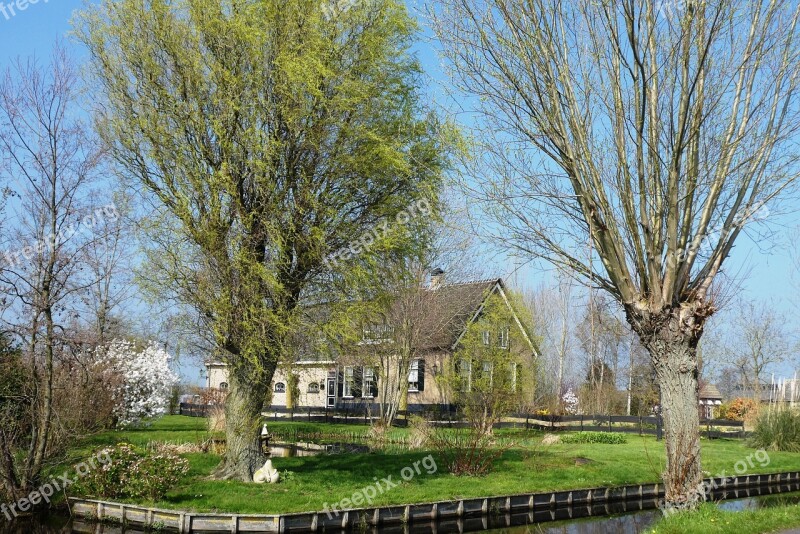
311	482
709	519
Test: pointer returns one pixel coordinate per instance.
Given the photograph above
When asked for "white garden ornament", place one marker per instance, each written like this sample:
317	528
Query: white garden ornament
266	474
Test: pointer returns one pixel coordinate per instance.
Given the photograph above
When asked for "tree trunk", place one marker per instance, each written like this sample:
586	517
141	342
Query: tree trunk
243	407
671	338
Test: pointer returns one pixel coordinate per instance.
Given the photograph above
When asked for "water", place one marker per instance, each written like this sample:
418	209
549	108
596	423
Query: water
290	450
625	518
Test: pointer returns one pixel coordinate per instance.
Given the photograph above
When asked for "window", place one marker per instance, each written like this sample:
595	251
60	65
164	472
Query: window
416	376
465	372
313	387
502	338
487	338
223	385
512	368
370	389
488	370
349	381
280	387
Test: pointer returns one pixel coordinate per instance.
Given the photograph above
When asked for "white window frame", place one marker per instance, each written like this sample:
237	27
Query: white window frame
503	338
513	370
367	379
349	380
487	338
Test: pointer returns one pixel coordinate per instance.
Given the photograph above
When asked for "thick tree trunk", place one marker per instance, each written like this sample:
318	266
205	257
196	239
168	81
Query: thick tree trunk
671	338
676	369
243	407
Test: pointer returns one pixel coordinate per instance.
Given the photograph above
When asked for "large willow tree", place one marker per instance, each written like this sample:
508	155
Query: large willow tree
267	135
642	134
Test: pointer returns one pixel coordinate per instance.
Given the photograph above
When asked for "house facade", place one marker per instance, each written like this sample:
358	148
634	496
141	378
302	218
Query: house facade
439	314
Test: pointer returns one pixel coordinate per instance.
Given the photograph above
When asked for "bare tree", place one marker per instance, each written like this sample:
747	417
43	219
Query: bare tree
759	342
554	322
50	161
654	135
404	319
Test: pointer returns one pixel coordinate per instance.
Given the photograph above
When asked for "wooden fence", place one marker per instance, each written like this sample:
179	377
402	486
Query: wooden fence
448	416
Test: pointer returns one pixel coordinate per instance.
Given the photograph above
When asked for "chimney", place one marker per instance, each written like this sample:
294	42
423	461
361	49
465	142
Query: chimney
437	279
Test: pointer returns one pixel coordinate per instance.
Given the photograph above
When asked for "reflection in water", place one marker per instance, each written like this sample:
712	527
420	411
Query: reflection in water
624	518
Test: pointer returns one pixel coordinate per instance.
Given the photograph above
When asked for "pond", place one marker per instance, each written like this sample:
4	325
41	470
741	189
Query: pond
625	518
291	450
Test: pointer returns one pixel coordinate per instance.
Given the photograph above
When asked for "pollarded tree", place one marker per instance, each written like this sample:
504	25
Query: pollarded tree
642	136
267	136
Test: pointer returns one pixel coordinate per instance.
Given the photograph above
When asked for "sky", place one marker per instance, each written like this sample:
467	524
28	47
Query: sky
767	264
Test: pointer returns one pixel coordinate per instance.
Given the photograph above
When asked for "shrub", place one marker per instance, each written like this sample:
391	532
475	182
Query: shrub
739	409
466	452
133	474
595	437
777	431
420	431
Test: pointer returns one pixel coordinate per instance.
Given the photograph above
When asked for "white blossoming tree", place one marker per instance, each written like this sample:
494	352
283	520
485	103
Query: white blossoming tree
570	402
143	381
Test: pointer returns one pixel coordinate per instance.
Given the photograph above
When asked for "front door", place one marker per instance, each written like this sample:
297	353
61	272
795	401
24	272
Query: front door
331	391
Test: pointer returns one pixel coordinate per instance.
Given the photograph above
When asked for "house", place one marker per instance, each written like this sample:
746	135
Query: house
780	391
441	312
710	400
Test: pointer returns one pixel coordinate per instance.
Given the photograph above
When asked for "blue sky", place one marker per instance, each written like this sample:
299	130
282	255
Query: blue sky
767	264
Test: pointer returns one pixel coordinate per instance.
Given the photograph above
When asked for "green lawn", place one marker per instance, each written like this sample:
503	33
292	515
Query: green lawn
711	520
311	482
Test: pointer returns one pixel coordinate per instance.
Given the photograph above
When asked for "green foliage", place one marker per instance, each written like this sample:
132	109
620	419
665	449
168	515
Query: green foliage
133	474
777	430
273	136
594	437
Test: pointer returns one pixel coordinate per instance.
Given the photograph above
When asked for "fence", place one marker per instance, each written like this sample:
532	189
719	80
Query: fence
448	415
194	410
652	425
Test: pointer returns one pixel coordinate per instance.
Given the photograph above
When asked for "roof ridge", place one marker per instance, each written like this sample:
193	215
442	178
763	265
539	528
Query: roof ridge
472	282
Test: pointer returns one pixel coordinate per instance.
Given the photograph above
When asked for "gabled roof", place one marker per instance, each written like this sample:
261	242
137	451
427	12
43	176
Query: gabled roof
710	391
446	311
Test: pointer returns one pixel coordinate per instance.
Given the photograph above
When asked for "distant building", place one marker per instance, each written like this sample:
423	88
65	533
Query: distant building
782	391
710	400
